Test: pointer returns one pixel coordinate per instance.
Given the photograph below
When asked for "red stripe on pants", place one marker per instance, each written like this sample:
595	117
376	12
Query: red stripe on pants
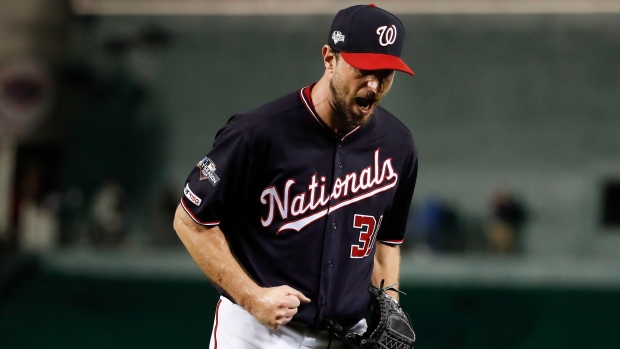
217	308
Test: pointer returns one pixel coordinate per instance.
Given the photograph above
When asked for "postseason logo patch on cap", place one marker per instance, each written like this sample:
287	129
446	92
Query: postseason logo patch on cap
337	37
207	171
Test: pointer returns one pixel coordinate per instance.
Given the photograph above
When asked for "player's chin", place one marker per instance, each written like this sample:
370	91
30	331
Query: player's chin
358	121
361	115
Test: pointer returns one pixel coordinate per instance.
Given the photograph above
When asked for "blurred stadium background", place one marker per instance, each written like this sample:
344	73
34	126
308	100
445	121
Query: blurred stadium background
105	106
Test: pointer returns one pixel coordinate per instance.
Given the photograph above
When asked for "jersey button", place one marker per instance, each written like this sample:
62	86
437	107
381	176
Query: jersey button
330	263
335	226
340	165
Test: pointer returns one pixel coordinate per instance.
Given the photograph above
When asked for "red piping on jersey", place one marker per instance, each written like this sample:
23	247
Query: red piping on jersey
217	315
392	242
191	215
306	96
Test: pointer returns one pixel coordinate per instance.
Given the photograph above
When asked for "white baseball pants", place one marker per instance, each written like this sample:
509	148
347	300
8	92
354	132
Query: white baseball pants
235	328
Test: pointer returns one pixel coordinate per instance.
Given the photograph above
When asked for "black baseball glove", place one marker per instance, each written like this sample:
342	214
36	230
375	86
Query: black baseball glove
389	326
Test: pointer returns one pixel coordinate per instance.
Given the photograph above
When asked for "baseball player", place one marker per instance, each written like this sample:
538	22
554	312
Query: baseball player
301	204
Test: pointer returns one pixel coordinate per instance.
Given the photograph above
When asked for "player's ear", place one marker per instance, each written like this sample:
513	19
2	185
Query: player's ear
329	59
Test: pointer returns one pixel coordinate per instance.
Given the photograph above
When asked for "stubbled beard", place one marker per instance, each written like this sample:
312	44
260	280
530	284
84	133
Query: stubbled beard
343	106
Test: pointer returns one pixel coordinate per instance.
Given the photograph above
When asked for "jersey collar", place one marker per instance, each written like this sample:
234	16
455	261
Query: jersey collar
306	97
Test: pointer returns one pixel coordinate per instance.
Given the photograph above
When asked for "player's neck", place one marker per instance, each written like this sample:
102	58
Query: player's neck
320	98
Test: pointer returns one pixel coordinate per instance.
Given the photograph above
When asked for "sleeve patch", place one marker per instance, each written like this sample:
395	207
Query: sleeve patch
207	171
189	194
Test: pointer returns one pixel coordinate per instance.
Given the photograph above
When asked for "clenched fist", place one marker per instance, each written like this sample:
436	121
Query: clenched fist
274	307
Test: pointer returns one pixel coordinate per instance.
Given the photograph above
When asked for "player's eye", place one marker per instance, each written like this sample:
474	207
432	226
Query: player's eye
383	75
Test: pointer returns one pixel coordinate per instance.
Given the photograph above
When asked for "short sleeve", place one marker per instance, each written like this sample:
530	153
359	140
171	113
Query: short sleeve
392	231
218	178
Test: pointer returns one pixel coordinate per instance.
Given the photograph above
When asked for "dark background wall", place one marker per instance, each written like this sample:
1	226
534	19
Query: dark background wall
527	102
63	311
524	101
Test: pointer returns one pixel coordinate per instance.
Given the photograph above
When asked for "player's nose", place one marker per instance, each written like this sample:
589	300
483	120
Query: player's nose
374	83
378	80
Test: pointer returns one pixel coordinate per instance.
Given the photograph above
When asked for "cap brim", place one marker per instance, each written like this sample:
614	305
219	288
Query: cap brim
375	61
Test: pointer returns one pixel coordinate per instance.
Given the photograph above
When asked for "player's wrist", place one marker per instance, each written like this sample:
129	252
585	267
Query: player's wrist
245	296
393	295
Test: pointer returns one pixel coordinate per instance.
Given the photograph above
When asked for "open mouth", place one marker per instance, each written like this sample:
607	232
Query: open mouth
364	104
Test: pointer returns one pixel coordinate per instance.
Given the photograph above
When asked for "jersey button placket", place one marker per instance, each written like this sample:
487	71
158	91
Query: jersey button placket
328	257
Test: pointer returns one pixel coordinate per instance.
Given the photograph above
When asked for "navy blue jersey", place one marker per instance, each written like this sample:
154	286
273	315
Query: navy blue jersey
302	206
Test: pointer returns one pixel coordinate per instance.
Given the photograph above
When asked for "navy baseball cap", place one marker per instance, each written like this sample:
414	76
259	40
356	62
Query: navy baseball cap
369	38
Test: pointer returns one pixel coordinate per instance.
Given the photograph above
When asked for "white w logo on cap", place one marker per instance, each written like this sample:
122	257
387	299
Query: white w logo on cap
387	36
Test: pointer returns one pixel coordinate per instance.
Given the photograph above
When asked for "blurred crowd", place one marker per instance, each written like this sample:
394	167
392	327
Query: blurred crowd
44	219
438	226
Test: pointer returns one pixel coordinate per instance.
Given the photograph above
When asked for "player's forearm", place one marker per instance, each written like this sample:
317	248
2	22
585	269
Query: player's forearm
209	249
387	267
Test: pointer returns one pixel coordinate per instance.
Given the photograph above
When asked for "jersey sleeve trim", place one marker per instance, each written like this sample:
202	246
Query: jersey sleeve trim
193	217
392	242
